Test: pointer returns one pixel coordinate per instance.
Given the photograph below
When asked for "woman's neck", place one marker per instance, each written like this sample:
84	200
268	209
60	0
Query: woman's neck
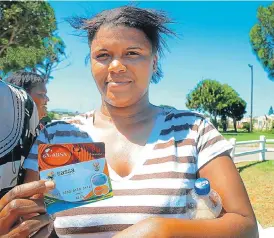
133	114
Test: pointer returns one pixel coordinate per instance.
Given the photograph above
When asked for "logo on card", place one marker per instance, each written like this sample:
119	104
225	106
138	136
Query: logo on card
96	166
50	175
56	155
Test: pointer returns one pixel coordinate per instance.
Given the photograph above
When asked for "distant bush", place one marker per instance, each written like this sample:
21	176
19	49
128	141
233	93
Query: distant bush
51	115
246	126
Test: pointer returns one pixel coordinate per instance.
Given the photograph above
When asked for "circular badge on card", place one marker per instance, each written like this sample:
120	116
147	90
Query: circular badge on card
56	155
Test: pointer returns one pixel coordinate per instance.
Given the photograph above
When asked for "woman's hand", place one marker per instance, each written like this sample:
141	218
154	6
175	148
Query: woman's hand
148	228
22	210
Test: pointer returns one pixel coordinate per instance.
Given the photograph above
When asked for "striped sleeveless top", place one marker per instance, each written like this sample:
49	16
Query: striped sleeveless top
180	143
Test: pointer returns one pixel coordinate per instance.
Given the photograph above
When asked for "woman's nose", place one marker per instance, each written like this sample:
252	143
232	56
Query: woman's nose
116	66
46	98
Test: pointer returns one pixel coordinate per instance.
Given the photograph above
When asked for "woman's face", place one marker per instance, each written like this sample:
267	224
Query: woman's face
122	64
39	96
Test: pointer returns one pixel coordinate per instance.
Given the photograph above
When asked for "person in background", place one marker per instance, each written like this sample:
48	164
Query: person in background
18	203
35	86
154	154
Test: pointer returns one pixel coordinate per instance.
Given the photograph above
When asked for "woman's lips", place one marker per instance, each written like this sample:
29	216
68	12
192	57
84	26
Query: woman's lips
118	85
44	107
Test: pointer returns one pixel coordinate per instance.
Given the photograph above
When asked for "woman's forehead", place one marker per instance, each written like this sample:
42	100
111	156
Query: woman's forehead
122	36
39	87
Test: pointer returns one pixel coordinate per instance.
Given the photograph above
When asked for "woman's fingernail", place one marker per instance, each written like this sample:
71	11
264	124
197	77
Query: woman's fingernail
50	184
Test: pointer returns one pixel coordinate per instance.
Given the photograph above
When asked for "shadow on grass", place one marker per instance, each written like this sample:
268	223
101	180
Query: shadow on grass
240	169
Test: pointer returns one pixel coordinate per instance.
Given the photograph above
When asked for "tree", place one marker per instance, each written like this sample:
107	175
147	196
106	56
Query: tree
51	115
224	122
218	100
24	30
270	112
55	54
207	96
236	109
262	38
235	105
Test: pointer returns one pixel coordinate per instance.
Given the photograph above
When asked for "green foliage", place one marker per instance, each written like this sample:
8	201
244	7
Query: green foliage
246	126
244	135
51	115
46	120
19	57
54	54
207	96
236	106
262	38
218	100
25	29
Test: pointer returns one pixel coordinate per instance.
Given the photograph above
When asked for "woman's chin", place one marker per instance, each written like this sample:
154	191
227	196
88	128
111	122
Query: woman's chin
42	115
119	103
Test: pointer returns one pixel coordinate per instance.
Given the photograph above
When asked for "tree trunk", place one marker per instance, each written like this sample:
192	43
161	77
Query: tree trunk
235	124
224	123
215	121
10	41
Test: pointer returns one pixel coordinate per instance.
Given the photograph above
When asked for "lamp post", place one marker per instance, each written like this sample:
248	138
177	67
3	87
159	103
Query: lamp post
251	110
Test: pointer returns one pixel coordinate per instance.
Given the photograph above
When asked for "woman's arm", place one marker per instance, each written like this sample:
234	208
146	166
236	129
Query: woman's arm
238	220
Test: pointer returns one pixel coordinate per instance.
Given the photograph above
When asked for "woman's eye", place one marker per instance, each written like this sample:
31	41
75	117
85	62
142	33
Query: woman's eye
132	53
102	56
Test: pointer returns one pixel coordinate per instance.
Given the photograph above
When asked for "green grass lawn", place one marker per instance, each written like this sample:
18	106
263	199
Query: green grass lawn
244	136
258	178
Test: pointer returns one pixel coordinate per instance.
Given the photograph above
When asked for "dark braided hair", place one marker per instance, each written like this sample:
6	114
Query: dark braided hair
25	80
151	22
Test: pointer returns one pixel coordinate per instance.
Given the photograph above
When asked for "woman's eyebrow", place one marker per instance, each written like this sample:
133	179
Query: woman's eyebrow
134	48
128	48
101	49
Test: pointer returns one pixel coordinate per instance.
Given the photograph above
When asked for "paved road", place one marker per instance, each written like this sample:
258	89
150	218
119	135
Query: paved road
252	157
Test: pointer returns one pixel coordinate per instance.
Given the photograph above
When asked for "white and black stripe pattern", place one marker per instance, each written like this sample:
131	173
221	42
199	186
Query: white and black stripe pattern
15	146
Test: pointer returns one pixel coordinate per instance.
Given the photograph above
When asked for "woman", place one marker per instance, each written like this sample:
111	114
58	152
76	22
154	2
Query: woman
35	86
18	122
154	154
